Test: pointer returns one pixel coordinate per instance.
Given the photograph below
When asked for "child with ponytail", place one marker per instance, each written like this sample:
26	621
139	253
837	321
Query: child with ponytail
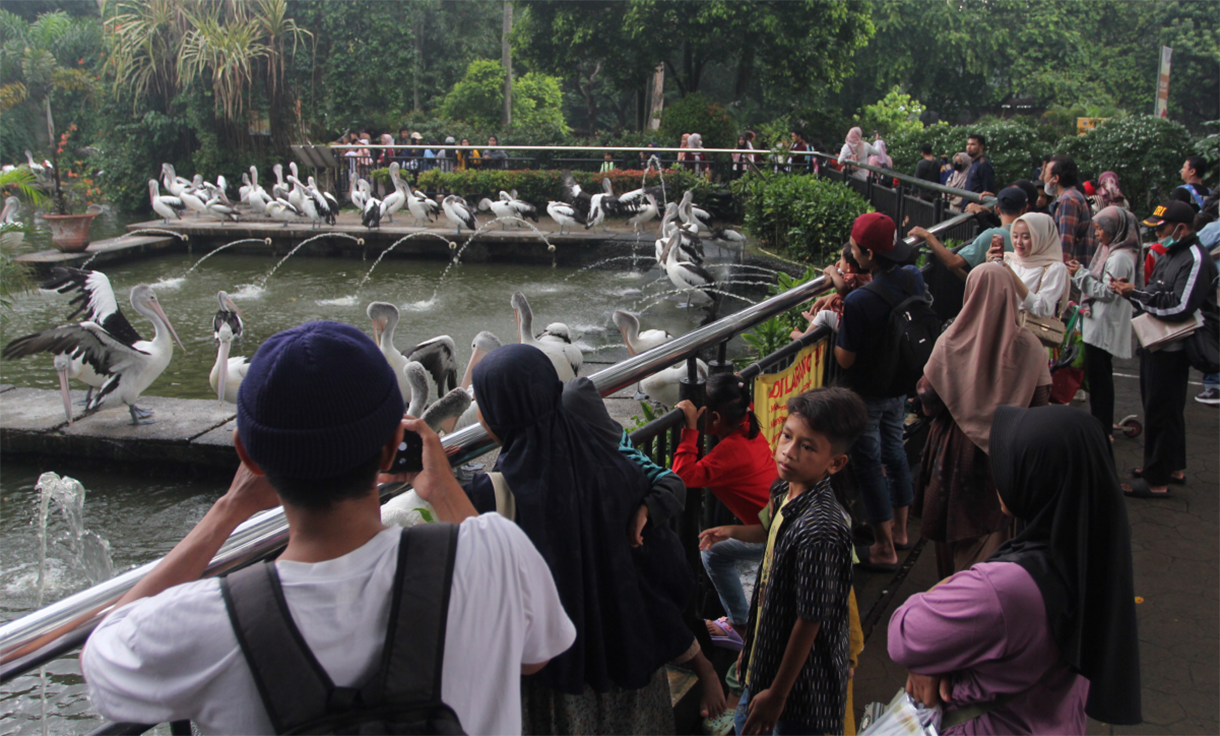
739	471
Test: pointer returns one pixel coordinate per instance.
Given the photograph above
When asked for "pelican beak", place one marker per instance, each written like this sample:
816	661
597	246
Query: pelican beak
377	328
63	392
232	307
222	369
156	305
468	376
623	332
517	316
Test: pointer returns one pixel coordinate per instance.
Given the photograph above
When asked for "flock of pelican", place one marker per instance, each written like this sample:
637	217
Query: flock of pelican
104	351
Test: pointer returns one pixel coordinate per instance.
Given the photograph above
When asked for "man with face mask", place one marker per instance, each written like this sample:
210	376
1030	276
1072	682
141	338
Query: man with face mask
1071	210
1182	283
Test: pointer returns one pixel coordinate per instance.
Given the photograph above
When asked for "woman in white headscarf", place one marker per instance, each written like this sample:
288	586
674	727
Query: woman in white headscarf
1036	264
695	143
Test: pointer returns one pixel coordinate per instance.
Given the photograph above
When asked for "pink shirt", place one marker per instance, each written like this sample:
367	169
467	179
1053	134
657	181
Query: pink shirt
987	628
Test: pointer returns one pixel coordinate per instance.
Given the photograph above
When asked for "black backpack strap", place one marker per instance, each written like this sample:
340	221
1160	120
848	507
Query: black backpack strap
414	651
292	684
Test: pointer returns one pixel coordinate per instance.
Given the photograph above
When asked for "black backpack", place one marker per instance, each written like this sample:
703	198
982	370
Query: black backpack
910	334
402	696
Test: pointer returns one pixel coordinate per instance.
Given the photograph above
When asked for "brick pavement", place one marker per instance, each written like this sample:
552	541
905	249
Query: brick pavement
1176	556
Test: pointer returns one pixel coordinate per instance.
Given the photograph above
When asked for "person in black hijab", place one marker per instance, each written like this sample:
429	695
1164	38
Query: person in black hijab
1054	471
575	495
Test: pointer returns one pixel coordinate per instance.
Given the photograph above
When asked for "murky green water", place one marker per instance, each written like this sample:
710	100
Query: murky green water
144	517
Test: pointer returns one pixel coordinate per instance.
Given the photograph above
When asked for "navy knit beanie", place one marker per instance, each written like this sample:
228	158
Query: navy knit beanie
318	400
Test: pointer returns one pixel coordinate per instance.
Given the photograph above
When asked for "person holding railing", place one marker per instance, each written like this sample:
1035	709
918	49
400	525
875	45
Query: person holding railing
494	158
856	150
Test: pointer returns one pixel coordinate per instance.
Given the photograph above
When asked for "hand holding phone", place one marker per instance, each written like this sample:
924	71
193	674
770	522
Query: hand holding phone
410	455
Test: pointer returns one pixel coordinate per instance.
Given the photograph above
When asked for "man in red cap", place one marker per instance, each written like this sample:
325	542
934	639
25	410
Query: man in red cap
1181	284
860	348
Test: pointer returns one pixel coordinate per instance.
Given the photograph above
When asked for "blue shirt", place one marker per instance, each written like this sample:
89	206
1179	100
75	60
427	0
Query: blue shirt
981	177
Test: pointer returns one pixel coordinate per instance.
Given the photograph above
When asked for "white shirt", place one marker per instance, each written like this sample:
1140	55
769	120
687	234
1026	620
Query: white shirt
175	656
1045	291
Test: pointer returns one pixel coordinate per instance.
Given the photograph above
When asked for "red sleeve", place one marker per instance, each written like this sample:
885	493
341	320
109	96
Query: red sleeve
717	468
693	471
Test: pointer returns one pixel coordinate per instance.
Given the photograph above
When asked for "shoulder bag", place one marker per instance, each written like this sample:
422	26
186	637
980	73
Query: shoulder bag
1050	330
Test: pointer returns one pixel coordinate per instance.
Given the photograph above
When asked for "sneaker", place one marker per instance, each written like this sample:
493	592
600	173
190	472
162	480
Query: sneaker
1210	396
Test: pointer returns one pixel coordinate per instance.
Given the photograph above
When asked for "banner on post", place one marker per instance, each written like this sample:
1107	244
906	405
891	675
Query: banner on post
772	390
1162	84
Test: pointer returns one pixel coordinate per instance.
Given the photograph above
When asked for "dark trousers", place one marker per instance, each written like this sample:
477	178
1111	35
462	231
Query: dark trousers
1099	371
1163	378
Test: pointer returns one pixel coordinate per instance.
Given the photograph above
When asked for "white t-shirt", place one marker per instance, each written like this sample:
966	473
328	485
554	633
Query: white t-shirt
175	656
1045	291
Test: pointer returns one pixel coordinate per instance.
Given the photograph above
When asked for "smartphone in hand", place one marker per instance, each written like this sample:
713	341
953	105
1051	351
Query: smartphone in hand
410	455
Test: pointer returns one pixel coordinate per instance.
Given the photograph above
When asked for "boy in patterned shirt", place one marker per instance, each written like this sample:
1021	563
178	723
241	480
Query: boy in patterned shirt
795	657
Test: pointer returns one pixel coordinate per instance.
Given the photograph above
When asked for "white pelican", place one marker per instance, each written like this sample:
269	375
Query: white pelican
483	343
370	216
663	386
282	209
459	213
295	196
304	202
692	215
131	365
524	209
637	196
437	355
193	201
395	200
564	214
499	208
356	194
575	196
566	358
728	235
164	206
421	208
429	204
8	216
95	297
437	414
174	184
324	201
557	332
243	192
258	199
37	169
600	205
645	212
636	341
687	275
227	373
221	210
279	190
417	380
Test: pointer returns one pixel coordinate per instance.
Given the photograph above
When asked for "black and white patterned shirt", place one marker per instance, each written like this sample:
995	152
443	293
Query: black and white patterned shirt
810	578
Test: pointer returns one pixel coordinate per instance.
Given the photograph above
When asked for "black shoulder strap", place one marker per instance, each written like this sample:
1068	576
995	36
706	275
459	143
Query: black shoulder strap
292	683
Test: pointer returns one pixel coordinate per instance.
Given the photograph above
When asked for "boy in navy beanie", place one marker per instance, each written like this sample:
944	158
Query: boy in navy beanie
318	415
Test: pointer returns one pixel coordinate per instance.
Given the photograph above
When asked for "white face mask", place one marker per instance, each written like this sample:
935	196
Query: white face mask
1049	188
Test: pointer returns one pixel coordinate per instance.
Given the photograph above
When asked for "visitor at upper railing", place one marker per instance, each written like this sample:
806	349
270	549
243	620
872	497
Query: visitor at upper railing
928	169
169	652
957	180
846	276
1011	204
494	158
981	177
856	150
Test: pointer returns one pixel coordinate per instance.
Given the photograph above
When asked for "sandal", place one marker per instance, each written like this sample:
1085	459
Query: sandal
1139	488
730	639
1173	479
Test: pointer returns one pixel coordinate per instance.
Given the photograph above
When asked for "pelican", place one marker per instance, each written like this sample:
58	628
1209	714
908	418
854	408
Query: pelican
243	192
8	216
645	212
227	373
663	386
304	202
36	168
325	202
728	235
687	275
295	196
524	209
131	365
282	209
575	196
357	194
500	208
557	332
636	341
692	215
430	205
600	205
459	213
421	208
192	201
370	216
258	199
566	358
174	184
95	297
395	200
220	209
637	196
165	206
280	189
437	355
444	411
564	214
483	343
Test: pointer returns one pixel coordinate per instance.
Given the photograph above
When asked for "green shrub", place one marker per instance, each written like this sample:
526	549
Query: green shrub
539	187
1145	151
1014	148
697	114
776	332
806	217
478	99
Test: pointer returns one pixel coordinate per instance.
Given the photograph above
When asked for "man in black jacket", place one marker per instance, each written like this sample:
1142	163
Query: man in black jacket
1182	283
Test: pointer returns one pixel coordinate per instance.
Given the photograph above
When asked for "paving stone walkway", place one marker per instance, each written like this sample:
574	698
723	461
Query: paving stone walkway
1177	574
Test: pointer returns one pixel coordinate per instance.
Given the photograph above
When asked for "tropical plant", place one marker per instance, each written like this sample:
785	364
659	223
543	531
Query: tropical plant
696	113
1145	151
776	332
807	218
897	112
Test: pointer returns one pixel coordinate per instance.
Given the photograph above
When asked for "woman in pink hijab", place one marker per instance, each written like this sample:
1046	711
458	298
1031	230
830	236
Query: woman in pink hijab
1108	193
857	150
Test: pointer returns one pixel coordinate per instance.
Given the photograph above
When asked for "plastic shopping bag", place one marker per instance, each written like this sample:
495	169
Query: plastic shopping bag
902	717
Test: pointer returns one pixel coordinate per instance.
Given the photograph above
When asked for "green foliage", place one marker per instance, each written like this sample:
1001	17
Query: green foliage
776	332
895	113
808	218
539	187
1209	148
1145	151
697	114
479	97
538	103
1013	147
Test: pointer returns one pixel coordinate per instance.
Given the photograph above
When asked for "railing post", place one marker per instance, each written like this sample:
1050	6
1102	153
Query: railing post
721	364
900	209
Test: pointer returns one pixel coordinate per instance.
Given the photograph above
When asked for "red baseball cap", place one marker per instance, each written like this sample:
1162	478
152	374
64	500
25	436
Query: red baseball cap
876	232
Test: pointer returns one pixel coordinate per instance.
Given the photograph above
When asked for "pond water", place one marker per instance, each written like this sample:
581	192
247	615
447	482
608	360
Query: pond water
142	517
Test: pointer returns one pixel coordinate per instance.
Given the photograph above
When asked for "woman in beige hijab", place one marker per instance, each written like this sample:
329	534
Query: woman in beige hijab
1036	264
985	359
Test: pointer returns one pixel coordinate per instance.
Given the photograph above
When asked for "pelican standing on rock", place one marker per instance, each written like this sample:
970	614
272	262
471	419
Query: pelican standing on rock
114	350
459	213
437	355
566	358
227	373
165	206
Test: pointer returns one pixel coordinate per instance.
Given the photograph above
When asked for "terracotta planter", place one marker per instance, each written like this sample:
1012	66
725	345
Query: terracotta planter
70	233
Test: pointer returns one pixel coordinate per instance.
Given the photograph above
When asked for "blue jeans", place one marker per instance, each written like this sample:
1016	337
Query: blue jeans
782	728
1211	380
721	564
881	445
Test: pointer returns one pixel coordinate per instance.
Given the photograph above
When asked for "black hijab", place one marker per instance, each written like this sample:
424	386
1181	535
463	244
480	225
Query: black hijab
575	496
1053	470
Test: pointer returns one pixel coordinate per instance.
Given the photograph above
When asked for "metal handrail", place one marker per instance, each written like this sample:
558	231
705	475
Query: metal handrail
39	637
951	191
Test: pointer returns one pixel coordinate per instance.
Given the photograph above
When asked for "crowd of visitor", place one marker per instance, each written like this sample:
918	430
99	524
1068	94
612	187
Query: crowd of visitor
566	592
